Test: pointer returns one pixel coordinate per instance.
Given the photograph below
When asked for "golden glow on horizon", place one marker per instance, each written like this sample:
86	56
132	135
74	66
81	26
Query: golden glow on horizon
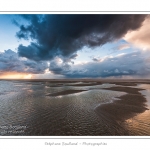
15	75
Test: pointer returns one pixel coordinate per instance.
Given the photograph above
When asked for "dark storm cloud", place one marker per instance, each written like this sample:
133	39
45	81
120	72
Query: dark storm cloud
64	35
133	64
9	61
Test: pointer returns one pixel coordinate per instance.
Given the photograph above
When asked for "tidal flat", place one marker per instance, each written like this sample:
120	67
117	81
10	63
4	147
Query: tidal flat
77	107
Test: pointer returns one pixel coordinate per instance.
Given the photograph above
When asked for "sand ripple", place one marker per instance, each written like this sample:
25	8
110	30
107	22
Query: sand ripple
26	104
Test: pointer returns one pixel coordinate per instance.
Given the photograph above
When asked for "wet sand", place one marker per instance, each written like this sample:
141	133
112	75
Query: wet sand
99	111
125	83
76	84
67	92
128	106
86	84
117	112
82	80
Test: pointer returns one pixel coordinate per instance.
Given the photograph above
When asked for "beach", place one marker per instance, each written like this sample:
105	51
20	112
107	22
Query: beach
74	107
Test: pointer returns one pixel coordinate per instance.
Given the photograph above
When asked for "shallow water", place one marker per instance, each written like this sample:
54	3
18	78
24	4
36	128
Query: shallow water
140	124
26	110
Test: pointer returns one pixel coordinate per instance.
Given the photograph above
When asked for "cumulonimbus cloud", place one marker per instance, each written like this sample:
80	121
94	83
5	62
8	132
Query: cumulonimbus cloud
65	34
132	64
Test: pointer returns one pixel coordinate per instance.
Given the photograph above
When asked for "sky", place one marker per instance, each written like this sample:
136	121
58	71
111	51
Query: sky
48	46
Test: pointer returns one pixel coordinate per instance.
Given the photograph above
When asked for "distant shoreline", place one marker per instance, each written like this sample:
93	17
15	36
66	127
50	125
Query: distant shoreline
83	80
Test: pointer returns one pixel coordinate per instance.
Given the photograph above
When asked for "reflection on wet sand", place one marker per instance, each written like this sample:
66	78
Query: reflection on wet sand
67	92
88	108
140	124
129	106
